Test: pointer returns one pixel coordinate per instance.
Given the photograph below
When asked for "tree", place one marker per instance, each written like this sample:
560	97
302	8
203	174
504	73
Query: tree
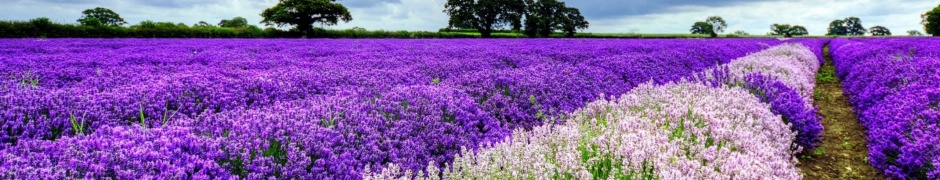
836	28
850	26
781	29
854	26
786	30
741	33
42	23
914	33
92	22
146	24
100	16
798	30
234	22
540	17
718	25
701	27
543	17
712	26
931	21
304	13
202	24
166	24
572	20
485	15
880	31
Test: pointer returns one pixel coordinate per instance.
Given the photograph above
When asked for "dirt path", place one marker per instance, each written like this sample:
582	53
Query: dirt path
843	153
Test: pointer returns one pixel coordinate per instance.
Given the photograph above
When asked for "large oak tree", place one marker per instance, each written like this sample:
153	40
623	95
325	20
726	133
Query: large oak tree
485	15
304	13
850	26
788	30
879	31
101	16
711	26
931	21
234	22
543	17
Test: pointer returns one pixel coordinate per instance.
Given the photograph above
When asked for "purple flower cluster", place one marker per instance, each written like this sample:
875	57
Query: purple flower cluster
894	84
304	109
117	153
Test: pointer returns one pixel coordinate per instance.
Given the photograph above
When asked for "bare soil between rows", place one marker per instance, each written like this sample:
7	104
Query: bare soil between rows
843	153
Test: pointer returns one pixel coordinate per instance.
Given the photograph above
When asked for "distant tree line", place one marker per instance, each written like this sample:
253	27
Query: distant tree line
539	18
43	27
849	26
104	23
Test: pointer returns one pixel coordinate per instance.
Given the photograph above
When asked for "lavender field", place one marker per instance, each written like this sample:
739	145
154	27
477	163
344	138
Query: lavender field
895	87
453	109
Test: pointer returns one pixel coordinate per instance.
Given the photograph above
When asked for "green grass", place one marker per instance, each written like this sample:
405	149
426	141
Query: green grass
827	74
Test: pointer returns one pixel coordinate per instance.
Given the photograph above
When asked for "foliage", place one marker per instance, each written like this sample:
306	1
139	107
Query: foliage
202	24
41	23
741	33
572	21
145	24
101	16
787	30
234	22
850	26
914	33
879	31
304	13
711	26
718	24
701	27
90	22
931	21
485	15
543	17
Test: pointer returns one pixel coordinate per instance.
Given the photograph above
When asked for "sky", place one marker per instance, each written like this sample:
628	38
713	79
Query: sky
605	16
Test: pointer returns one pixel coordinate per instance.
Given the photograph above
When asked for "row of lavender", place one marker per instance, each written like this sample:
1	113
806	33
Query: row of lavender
283	108
894	84
742	120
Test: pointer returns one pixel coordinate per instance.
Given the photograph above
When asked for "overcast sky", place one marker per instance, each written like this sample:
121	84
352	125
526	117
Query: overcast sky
609	16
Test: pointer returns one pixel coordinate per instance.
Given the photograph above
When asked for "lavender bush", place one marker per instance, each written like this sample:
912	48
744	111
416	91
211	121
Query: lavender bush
894	85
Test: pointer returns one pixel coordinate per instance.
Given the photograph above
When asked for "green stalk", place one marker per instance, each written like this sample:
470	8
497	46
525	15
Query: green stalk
142	116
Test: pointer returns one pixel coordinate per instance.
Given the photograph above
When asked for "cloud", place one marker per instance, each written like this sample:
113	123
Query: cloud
367	3
606	9
646	16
